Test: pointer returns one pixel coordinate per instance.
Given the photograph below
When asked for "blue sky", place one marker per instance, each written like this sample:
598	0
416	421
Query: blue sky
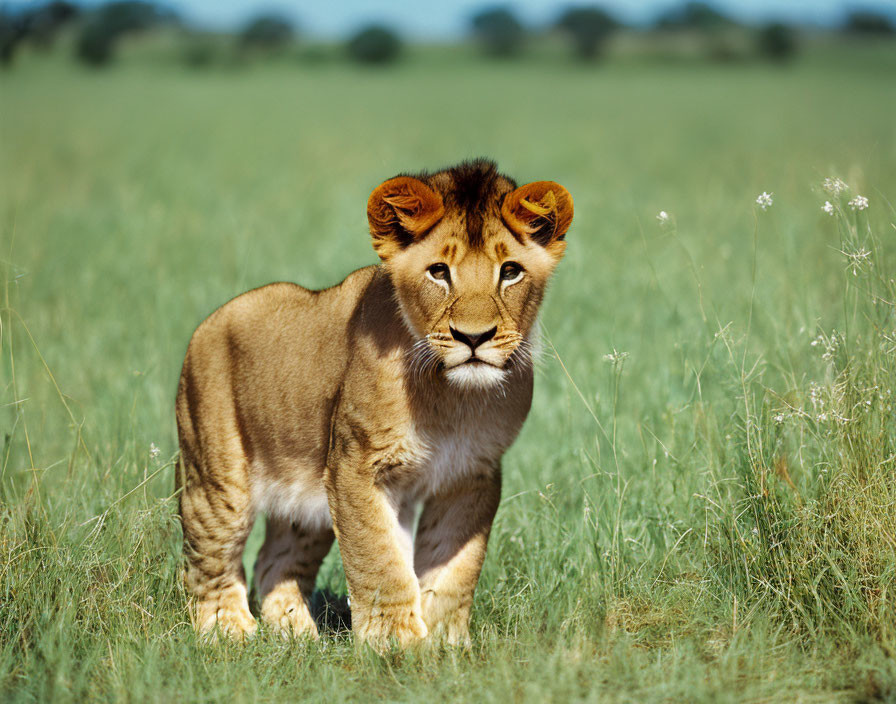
448	18
437	19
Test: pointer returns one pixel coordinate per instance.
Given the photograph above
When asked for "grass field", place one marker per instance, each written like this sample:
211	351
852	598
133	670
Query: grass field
708	515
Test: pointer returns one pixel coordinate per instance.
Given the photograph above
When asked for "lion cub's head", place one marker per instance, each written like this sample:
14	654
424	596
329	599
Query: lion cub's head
469	255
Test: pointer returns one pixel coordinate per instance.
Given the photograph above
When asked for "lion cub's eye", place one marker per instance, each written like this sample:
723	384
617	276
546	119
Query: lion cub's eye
439	272
511	271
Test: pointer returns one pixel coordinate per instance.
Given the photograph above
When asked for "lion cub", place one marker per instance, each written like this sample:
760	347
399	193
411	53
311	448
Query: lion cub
337	412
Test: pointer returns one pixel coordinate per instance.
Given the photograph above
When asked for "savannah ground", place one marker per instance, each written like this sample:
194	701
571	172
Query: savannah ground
709	514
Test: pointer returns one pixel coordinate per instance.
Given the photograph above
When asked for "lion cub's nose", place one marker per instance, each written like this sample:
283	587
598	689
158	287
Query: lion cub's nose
473	340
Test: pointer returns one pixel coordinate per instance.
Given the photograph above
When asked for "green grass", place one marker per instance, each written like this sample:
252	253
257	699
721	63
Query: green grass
662	536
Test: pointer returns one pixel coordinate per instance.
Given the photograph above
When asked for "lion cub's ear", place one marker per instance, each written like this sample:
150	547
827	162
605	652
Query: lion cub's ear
541	211
400	211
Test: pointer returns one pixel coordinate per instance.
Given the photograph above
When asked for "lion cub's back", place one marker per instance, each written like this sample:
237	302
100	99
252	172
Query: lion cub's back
262	372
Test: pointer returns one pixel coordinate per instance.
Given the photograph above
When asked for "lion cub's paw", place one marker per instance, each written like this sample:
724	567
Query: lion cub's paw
453	632
381	626
448	617
227	614
289	617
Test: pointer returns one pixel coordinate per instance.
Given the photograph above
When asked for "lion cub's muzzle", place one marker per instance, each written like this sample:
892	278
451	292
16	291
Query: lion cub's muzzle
487	347
476	360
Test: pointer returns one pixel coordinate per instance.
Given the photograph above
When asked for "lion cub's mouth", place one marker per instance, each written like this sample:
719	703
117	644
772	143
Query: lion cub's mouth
477	363
476	373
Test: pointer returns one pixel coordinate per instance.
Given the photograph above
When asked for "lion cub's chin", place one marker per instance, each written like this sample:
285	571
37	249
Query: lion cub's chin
475	375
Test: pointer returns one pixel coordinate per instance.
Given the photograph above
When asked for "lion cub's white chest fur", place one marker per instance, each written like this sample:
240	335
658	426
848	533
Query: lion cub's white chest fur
442	456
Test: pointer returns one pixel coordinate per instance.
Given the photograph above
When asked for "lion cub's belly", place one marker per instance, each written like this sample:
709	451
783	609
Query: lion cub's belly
429	462
299	497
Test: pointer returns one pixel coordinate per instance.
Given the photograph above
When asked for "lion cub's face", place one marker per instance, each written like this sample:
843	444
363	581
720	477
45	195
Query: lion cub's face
469	255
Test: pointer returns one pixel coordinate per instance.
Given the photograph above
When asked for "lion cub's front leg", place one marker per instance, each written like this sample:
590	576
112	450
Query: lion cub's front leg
385	596
450	548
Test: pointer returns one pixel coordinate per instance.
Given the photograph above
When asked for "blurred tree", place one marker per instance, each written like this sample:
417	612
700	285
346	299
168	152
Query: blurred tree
719	36
128	16
374	45
96	44
99	35
200	50
43	23
499	31
589	28
777	42
694	15
12	32
38	25
267	32
869	22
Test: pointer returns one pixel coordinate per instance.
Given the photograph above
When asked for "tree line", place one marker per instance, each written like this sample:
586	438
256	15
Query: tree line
500	33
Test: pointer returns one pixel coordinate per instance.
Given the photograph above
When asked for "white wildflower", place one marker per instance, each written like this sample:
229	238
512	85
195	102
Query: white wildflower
857	260
815	397
858	203
842	420
764	200
154	450
663	217
779	418
834	186
615	357
830	345
821	417
828	207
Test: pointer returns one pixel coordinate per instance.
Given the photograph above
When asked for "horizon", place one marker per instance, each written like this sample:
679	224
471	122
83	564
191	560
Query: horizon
450	20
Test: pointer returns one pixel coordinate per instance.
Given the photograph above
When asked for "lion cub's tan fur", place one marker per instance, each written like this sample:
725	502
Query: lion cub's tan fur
339	411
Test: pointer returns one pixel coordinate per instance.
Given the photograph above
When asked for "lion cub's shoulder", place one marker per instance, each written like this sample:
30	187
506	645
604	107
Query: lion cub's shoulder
283	300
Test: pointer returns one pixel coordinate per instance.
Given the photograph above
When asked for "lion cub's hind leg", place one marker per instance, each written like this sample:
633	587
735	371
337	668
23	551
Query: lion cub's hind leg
216	523
285	572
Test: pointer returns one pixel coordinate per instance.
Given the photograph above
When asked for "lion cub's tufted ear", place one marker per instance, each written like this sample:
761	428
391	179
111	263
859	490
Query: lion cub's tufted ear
400	211
541	210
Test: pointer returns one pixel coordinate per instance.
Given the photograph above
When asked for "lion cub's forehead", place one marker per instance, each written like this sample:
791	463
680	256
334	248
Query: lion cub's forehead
497	245
472	194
